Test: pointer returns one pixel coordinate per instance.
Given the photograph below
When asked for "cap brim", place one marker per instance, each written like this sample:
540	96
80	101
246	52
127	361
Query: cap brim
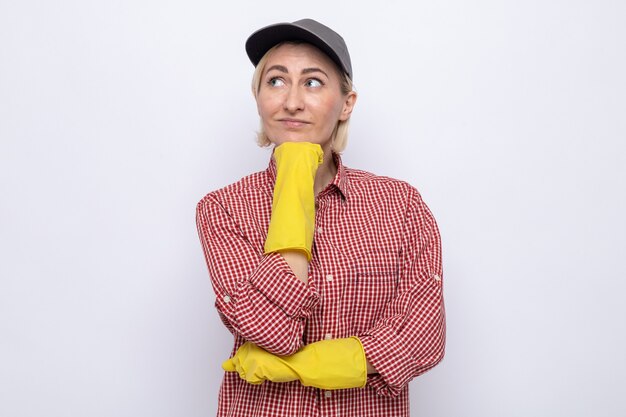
264	39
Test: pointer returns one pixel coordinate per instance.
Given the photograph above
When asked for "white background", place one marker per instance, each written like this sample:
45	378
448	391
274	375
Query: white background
116	117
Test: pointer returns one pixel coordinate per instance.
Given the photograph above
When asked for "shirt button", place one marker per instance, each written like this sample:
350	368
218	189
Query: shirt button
319	230
328	394
329	277
226	299
437	277
328	336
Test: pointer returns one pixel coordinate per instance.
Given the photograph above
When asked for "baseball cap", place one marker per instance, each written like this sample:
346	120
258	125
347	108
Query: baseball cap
305	30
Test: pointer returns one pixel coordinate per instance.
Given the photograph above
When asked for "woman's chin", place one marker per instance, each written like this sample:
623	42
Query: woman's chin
281	141
297	139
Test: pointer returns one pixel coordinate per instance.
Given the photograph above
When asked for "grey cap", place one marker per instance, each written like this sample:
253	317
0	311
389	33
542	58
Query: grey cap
305	30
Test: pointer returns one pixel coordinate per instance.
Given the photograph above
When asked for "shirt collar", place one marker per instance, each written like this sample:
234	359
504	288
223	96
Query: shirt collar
339	183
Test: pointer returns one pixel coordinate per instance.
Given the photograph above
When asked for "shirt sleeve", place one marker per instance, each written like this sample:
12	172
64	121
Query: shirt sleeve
258	296
409	337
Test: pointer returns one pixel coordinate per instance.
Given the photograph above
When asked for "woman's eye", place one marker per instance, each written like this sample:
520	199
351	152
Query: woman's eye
276	82
313	82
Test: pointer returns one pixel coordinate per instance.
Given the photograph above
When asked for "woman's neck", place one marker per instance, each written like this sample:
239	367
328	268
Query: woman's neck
325	173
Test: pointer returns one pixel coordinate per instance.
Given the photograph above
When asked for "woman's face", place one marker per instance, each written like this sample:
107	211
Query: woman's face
299	98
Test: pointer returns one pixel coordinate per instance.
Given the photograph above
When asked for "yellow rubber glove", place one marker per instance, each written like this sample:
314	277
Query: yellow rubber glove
327	364
293	205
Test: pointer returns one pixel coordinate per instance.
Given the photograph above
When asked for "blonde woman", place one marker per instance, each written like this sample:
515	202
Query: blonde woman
328	277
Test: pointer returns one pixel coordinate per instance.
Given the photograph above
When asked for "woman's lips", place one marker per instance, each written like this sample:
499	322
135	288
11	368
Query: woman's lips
293	123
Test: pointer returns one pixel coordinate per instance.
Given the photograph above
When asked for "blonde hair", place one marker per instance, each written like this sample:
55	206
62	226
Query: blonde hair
340	133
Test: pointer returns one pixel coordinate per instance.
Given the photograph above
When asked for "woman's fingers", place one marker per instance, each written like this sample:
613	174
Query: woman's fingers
229	365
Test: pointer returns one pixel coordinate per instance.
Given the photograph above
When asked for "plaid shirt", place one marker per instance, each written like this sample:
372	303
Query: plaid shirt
375	273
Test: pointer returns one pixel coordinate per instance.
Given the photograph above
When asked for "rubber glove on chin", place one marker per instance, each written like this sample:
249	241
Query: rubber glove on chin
327	364
293	206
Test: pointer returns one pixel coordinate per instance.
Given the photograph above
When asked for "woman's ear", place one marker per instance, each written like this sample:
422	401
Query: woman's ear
348	105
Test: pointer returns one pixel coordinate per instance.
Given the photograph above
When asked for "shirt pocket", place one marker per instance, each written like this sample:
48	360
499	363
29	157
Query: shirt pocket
372	284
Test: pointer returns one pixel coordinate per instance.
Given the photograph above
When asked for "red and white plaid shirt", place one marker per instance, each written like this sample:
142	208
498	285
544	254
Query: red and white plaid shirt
375	273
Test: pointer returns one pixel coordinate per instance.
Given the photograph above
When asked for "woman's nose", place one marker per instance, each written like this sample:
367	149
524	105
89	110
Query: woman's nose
294	100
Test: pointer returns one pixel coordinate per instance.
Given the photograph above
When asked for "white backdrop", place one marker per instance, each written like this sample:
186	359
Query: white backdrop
117	117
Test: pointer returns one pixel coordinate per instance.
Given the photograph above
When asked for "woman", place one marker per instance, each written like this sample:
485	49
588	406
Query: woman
328	277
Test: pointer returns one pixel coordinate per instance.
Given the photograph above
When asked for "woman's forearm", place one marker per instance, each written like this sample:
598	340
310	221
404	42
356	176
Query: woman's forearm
371	369
298	263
